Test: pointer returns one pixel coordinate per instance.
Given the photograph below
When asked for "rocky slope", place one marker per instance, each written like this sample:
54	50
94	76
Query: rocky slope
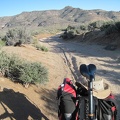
65	16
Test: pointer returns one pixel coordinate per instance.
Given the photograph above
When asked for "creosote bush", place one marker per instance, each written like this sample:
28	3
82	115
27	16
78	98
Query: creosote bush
24	72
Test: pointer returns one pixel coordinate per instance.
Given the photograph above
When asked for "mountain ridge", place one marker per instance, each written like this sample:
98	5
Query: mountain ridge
65	16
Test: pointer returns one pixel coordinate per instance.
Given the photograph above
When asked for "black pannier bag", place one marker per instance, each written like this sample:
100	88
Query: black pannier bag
104	109
69	103
107	108
66	97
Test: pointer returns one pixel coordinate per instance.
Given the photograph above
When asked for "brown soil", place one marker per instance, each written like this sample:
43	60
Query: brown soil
39	102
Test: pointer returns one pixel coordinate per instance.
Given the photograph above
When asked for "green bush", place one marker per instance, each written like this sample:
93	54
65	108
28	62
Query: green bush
4	62
34	73
70	28
78	31
111	29
26	72
83	27
16	35
106	25
2	43
70	34
35	42
97	24
42	48
118	25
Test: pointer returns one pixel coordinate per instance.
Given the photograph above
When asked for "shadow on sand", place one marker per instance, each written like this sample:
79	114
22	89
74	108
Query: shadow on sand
17	106
49	97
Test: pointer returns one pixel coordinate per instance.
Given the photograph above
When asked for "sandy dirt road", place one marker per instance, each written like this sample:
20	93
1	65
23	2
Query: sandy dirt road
75	53
62	60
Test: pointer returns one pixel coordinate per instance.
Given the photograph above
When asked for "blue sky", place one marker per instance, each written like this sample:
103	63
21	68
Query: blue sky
14	7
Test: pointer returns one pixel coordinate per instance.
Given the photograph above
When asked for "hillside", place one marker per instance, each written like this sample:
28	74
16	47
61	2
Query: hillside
98	37
68	15
62	60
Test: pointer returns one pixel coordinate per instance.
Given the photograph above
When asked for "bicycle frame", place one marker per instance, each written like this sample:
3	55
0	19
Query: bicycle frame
90	93
88	72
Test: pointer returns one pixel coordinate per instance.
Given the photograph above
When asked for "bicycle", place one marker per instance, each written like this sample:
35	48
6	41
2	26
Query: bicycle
98	101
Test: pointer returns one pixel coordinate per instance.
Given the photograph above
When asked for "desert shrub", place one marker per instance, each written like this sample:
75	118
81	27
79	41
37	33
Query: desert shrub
111	29
35	42
70	34
42	48
106	25
16	69
34	73
96	24
83	27
16	35
78	31
64	35
34	33
70	28
118	25
4	62
2	43
15	66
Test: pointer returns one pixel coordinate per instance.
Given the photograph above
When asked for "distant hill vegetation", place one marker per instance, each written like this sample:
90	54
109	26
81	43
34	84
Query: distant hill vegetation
89	25
57	18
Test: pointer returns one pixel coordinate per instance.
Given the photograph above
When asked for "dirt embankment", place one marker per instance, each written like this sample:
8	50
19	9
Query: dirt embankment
62	60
